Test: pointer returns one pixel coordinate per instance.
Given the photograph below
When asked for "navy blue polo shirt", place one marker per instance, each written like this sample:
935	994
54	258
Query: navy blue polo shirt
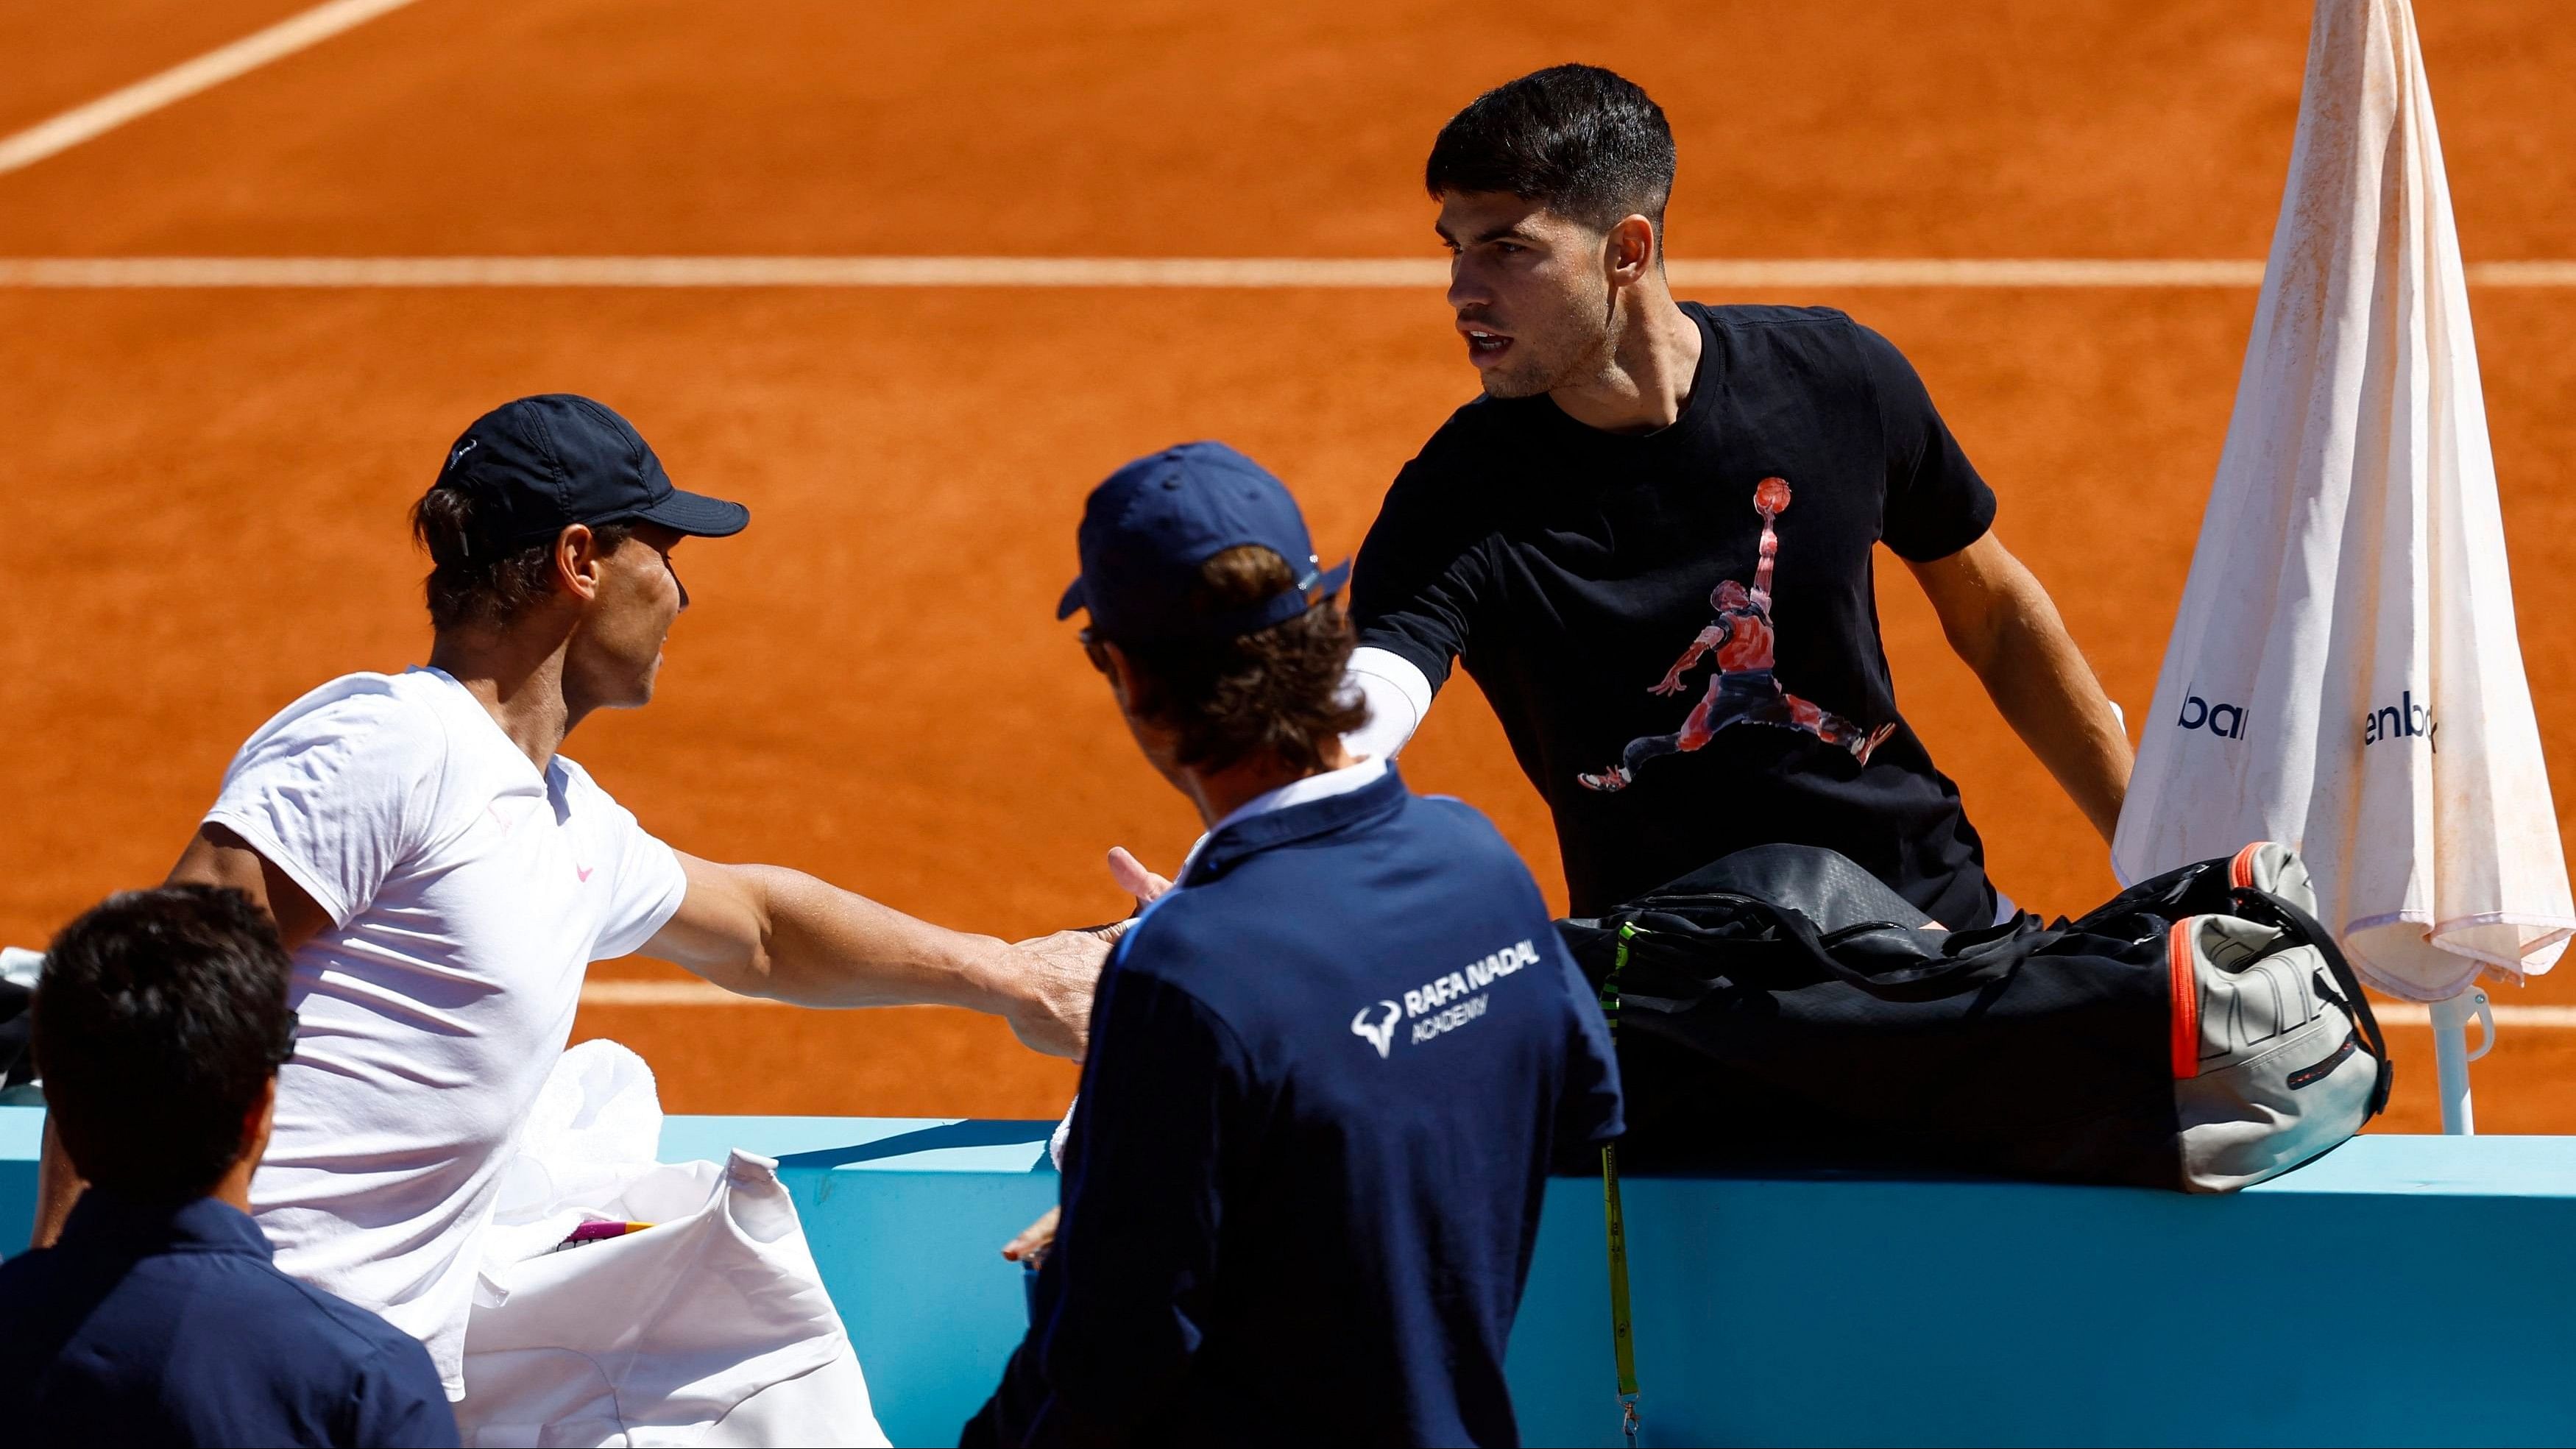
1303	1181
151	1324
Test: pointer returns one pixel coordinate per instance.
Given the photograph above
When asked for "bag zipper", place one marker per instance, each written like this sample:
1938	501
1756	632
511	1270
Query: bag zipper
2240	871
2183	983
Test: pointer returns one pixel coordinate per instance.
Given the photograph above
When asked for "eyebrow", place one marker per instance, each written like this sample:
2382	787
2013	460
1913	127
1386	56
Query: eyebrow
1496	233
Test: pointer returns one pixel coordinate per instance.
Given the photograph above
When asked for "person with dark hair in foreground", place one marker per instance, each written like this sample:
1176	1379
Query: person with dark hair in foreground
1637	465
1328	1064
443	874
160	1023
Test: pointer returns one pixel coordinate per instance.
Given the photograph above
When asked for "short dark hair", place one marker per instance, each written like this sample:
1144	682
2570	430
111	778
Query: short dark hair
1275	691
159	1016
1584	142
474	583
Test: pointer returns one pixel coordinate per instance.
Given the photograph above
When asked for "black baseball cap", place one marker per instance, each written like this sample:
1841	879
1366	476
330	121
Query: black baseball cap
540	464
1148	529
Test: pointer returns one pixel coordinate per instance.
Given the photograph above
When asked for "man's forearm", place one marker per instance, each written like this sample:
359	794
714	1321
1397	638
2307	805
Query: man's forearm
766	931
2001	621
830	947
2049	695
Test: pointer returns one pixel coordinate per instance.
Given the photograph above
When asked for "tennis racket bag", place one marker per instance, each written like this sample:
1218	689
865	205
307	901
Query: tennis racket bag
2198	1031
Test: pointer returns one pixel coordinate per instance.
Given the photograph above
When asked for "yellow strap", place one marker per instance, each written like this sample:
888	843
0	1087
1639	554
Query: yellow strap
1623	1344
1622	1335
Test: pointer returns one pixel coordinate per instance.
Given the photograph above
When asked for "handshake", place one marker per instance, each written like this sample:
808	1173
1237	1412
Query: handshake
1048	998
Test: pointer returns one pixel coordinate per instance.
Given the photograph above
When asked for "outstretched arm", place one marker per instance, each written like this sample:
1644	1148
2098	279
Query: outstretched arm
2002	622
766	931
1709	638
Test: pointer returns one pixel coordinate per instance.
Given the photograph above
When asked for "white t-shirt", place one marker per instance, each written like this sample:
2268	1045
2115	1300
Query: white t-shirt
467	894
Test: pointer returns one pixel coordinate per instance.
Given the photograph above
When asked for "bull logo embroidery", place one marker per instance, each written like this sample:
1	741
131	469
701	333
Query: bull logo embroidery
1379	1034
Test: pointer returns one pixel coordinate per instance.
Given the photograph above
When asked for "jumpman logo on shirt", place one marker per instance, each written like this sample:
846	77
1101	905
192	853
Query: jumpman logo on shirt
1744	690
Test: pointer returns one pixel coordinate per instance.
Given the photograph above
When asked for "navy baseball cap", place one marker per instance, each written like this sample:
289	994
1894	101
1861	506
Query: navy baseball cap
540	464
1146	531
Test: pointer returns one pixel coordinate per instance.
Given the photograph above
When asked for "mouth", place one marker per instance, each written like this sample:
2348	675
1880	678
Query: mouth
1485	346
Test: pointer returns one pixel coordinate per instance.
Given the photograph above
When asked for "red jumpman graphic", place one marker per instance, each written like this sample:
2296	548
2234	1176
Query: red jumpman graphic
1743	690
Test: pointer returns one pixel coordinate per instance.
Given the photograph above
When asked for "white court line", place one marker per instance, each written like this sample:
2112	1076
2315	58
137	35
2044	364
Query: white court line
665	993
2544	1017
703	993
1200	272
1967	272
187	78
715	272
1205	272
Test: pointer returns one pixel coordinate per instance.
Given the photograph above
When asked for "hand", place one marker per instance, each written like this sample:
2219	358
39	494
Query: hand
1134	878
1031	1245
1672	684
1050	999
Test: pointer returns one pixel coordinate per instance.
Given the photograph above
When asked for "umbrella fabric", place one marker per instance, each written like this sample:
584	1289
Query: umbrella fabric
2344	672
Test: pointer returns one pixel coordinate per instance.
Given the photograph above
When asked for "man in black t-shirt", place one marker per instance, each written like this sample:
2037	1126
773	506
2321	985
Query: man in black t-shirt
1640	467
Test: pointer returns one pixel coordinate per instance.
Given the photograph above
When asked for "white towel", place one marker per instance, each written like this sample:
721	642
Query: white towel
712	1327
2344	673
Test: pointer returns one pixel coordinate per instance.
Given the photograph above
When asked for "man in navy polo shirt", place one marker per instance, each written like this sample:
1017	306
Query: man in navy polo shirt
158	1318
1327	1068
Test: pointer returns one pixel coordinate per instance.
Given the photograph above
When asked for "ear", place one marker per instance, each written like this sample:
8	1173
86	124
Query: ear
1122	676
1629	249
259	1119
578	562
1136	704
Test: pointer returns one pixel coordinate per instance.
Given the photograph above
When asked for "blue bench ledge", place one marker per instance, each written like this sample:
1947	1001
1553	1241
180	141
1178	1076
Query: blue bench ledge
2399	1290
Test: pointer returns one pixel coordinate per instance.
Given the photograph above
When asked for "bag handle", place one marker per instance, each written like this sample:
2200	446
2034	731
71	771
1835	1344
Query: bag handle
1942	976
2297	921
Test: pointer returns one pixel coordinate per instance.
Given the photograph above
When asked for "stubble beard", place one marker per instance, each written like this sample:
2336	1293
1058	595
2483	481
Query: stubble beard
1572	360
1528	380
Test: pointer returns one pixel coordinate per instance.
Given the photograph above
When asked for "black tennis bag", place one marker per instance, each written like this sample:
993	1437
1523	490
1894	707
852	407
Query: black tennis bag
2198	1031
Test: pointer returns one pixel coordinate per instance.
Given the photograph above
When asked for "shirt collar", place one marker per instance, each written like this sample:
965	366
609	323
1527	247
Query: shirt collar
1708	377
1295	792
1312	787
477	720
112	1221
1299	810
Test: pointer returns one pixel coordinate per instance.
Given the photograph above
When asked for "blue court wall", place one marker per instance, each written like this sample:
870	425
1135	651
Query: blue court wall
2399	1290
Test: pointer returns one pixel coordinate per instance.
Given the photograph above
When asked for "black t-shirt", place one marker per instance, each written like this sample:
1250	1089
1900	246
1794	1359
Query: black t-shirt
1569	569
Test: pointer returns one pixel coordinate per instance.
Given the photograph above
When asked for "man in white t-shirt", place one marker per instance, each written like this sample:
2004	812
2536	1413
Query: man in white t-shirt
443	876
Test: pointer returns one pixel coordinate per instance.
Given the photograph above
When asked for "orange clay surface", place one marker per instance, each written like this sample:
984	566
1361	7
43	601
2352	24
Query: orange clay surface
205	490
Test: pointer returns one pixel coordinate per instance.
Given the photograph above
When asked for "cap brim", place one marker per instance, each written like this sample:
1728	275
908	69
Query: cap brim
697	515
1330	581
1071	601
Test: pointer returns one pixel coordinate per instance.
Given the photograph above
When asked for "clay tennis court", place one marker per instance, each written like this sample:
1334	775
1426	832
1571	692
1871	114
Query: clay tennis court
206	485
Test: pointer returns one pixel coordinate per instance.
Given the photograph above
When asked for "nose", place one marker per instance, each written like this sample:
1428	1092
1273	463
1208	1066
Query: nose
1466	288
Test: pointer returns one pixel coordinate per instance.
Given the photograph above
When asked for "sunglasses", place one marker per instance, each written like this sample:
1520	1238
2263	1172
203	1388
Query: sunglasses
1092	650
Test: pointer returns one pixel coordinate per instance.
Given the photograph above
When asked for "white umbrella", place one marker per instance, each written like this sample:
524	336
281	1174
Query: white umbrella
2344	673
